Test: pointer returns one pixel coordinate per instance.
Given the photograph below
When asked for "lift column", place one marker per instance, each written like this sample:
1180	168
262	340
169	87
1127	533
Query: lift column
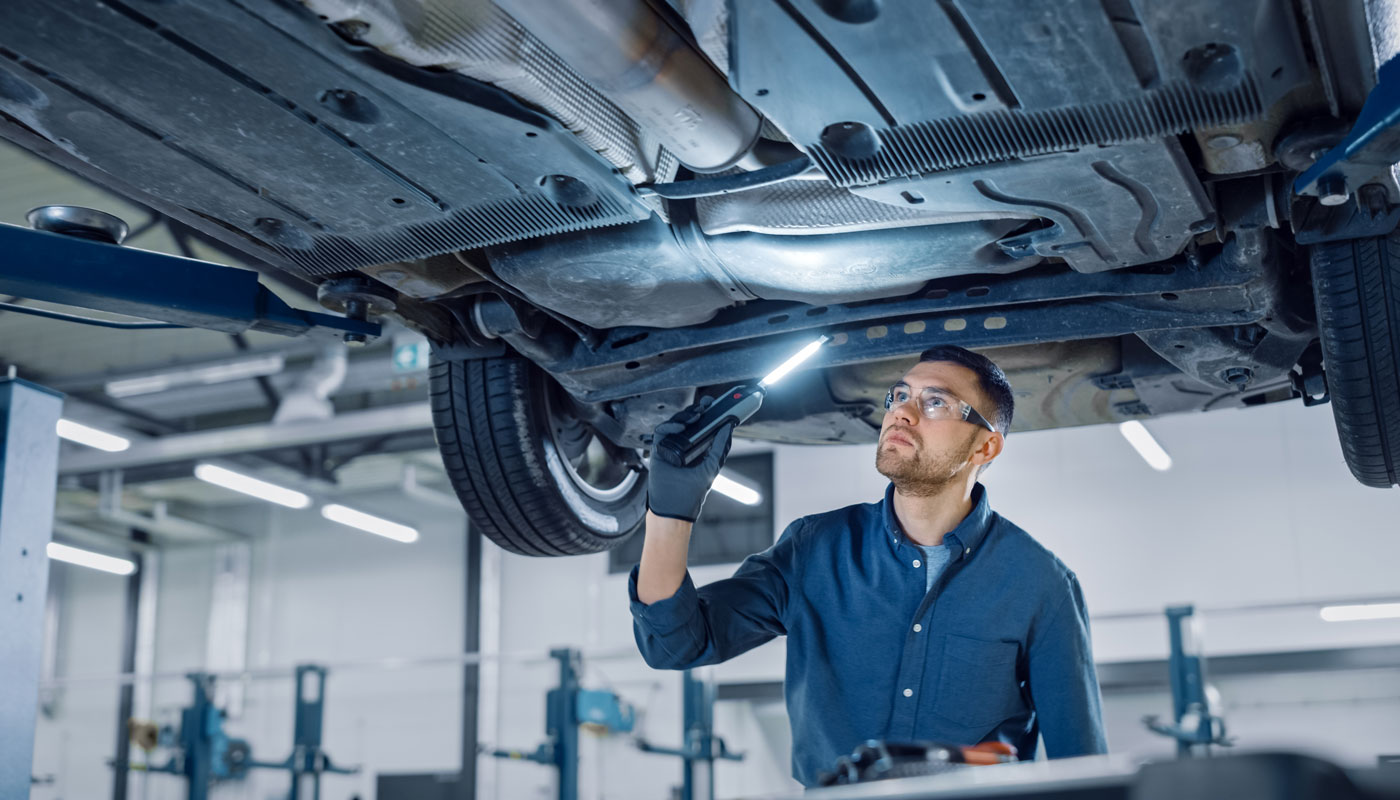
28	481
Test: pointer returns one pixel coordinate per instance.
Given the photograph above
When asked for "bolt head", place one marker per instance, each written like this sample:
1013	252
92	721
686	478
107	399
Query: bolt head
1332	191
356	339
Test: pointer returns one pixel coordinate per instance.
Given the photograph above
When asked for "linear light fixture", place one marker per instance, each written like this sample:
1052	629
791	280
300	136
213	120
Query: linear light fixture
733	489
1361	611
258	367
92	437
87	558
791	364
1141	439
369	523
253	487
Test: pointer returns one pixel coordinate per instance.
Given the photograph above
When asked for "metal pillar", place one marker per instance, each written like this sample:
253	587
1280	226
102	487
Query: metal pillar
1188	684
306	733
1194	724
208	754
566	708
202	739
126	694
28	482
561	722
697	713
471	673
701	748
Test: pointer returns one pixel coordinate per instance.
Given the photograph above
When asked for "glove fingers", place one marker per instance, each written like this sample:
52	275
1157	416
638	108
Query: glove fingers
668	427
719	448
693	411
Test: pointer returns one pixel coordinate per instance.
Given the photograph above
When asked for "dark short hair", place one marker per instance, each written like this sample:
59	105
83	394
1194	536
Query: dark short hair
990	379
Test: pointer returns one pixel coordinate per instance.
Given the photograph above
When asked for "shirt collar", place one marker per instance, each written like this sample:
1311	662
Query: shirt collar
969	533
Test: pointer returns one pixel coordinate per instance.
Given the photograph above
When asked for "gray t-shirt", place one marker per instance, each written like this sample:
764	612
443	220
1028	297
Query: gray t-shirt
935	559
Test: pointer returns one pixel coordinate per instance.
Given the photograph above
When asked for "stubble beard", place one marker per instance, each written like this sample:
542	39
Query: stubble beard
920	474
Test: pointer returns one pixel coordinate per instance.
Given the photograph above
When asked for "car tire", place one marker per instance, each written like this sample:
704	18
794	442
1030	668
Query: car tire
1357	288
531	476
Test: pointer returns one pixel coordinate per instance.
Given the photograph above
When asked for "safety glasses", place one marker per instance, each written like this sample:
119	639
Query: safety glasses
936	404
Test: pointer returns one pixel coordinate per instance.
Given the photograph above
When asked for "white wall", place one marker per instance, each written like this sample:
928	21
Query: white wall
74	744
320	592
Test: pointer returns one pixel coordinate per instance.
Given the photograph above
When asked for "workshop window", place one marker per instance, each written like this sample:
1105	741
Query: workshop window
728	531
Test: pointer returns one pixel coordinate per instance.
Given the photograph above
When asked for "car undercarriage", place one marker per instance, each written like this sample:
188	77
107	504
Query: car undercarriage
598	211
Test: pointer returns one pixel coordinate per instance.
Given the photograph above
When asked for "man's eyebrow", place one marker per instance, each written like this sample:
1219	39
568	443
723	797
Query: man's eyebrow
943	389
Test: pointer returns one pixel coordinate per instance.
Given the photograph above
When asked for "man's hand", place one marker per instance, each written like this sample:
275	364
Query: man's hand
676	490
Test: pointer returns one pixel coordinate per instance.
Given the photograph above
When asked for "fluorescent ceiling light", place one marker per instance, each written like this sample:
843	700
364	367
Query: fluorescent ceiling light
791	364
251	486
1147	447
735	490
258	367
1360	612
92	437
87	558
369	523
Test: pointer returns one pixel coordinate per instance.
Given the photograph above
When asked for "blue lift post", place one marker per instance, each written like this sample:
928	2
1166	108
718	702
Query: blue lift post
208	754
28	483
307	757
702	748
569	706
1194	724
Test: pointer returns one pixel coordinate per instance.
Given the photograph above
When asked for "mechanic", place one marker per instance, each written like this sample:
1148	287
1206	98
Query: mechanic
925	616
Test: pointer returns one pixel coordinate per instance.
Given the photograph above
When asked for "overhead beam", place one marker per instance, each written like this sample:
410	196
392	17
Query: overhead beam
377	422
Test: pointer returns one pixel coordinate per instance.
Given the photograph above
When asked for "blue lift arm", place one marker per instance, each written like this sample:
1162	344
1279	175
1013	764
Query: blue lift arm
1371	147
108	277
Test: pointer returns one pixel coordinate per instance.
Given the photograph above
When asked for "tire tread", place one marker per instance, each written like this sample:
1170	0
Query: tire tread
1357	289
489	440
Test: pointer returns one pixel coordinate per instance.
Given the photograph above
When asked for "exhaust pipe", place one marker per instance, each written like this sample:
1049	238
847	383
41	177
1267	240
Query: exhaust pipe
631	55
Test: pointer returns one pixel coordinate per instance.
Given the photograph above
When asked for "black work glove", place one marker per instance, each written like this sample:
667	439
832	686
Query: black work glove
676	490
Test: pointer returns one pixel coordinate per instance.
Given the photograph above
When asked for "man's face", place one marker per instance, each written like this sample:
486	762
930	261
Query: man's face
921	456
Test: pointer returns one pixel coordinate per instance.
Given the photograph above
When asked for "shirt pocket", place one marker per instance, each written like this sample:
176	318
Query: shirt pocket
977	683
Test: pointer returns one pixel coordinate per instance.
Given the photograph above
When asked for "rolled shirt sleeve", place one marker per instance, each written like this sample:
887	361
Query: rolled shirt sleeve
1063	683
696	627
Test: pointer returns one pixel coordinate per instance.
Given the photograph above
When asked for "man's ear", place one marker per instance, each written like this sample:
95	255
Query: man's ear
989	449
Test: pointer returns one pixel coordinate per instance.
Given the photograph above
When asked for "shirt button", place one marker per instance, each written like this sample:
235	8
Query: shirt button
908	692
916	563
968	552
918	627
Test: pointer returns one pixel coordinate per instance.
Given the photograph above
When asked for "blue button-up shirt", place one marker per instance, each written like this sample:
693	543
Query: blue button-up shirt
996	650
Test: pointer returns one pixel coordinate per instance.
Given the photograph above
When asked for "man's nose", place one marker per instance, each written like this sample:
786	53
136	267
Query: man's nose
905	412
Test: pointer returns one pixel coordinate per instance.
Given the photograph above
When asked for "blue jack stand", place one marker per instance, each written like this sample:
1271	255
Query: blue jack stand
28	482
569	706
702	748
1194	726
208	754
566	708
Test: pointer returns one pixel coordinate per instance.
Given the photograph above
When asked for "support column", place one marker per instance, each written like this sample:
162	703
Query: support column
125	695
28	483
471	673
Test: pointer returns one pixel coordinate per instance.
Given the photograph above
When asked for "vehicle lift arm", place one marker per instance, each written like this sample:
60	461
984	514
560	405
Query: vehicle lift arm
78	267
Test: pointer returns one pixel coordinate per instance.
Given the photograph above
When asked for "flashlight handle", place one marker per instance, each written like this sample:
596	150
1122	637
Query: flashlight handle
736	405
